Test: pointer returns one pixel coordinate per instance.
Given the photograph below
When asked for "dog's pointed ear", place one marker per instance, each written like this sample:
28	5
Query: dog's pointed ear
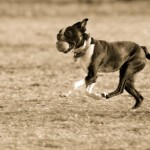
84	22
81	25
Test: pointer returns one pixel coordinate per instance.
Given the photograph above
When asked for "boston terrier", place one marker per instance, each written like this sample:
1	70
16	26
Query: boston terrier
97	56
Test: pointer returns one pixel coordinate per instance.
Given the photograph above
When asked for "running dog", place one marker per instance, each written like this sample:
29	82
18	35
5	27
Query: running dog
98	56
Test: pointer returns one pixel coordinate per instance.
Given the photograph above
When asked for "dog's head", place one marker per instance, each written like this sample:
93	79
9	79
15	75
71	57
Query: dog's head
74	35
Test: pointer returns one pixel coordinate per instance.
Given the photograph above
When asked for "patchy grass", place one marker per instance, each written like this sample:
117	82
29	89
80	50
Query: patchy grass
33	75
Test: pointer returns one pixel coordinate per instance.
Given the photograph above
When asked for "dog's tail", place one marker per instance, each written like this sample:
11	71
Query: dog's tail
147	54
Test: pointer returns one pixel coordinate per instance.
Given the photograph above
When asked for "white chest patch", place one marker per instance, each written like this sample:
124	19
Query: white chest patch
86	59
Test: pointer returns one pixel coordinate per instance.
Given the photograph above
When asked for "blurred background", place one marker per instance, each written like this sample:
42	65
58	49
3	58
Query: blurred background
33	74
64	12
53	8
72	8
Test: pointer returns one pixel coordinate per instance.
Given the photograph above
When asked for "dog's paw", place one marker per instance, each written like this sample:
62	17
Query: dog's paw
94	95
106	95
65	94
137	104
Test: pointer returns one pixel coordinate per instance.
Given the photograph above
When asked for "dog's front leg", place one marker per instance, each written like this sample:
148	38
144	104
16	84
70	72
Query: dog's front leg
76	86
92	94
90	82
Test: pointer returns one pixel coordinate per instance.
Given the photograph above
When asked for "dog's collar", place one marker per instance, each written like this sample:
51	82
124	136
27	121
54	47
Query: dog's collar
81	51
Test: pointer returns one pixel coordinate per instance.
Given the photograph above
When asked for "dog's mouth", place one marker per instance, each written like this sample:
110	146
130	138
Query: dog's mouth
71	46
64	46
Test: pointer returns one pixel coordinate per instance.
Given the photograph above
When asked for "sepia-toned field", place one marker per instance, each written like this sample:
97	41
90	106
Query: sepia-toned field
33	75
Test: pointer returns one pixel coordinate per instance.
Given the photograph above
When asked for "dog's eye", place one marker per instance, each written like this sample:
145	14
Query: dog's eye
68	34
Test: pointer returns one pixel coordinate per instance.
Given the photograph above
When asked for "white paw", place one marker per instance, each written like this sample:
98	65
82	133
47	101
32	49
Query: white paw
65	94
94	95
105	95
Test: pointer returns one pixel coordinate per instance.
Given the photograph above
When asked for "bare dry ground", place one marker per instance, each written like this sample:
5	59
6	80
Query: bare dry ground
33	74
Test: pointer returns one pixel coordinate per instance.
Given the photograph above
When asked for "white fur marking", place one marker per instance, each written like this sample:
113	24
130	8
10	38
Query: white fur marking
91	94
86	59
90	88
66	94
75	87
62	33
63	30
79	83
105	94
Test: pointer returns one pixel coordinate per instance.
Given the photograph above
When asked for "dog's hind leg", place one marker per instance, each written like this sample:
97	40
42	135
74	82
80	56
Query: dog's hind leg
125	72
129	87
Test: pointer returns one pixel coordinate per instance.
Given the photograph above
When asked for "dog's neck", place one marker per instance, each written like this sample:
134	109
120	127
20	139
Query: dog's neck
81	51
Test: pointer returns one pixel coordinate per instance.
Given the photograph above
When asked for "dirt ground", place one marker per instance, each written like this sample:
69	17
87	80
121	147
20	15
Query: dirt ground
33	74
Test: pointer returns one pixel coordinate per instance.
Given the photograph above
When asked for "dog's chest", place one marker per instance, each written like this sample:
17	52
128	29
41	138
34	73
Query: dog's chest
85	60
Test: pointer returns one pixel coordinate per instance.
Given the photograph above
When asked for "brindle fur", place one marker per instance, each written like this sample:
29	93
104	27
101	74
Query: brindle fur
127	57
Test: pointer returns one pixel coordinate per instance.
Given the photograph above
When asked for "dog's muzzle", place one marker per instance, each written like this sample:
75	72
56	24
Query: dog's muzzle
64	46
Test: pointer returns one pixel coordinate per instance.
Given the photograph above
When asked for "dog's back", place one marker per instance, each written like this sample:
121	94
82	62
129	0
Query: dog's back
112	55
